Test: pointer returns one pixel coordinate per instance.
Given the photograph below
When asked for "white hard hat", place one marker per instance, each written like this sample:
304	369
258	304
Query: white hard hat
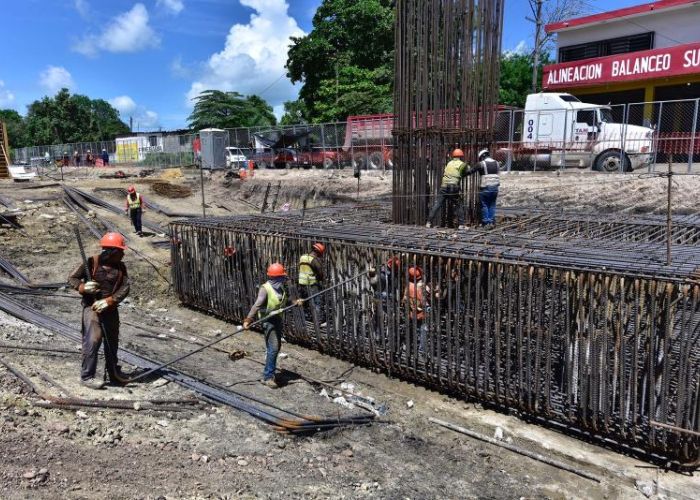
484	152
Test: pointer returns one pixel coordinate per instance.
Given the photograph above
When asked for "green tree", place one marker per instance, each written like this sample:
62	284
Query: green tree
516	78
345	63
218	109
294	113
67	118
16	130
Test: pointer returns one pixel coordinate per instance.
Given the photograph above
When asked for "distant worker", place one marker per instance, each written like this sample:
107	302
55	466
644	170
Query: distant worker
490	181
89	159
385	283
273	296
134	209
65	159
101	297
105	157
415	298
311	277
449	189
76	158
47	158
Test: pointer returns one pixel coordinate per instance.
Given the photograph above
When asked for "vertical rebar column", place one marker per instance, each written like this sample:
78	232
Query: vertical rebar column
445	95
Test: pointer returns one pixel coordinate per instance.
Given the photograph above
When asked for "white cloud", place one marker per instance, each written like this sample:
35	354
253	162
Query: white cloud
171	6
127	107
127	32
54	78
254	55
520	49
83	8
180	70
6	97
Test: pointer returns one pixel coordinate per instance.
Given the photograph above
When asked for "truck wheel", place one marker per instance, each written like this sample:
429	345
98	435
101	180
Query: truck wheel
610	162
327	163
376	161
359	161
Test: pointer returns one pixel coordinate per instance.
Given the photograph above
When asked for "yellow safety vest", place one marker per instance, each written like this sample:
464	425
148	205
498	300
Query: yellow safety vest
134	204
453	172
275	303
306	272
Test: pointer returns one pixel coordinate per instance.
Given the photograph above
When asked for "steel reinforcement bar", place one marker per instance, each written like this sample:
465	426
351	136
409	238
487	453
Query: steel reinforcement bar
445	94
601	345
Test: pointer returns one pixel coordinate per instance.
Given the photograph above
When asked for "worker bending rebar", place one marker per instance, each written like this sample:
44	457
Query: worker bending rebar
490	182
450	189
104	285
273	295
311	279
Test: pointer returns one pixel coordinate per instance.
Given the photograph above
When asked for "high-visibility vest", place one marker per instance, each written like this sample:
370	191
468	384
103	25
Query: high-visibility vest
454	171
275	303
490	177
415	301
306	272
134	204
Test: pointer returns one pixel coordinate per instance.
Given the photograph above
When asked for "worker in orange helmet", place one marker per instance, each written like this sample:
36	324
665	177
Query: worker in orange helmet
415	298
311	278
450	189
273	296
107	287
135	205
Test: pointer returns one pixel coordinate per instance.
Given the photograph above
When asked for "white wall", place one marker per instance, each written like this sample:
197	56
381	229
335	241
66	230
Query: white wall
675	27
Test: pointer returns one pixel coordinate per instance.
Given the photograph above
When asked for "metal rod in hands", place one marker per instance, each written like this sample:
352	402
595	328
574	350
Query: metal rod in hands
297	303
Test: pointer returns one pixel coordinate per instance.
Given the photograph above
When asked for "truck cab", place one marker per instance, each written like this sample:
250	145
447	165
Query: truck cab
561	131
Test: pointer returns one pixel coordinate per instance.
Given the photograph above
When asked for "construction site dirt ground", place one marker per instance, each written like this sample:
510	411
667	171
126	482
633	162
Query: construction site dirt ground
213	451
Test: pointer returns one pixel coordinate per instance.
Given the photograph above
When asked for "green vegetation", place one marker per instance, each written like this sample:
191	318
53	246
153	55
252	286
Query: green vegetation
62	119
516	78
217	109
345	64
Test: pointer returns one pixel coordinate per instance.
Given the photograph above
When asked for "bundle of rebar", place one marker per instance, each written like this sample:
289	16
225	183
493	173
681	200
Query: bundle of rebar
445	95
606	343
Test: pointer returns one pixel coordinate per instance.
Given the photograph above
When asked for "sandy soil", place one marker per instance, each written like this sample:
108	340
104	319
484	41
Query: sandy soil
214	451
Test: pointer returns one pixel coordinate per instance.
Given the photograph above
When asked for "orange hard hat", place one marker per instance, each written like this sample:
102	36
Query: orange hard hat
457	153
415	272
276	270
320	248
393	263
113	240
131	189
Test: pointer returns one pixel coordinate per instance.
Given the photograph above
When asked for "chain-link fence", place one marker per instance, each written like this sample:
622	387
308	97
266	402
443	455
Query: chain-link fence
546	136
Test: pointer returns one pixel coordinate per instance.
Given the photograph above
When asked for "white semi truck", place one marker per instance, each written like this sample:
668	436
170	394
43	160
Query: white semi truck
560	131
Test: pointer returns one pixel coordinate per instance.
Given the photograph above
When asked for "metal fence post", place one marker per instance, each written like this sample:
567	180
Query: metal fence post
691	147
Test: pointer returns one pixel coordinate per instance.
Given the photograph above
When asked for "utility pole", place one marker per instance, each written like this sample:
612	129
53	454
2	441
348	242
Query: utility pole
536	6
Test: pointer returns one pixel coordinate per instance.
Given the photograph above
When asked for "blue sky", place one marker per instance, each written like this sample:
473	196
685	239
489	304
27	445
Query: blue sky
149	57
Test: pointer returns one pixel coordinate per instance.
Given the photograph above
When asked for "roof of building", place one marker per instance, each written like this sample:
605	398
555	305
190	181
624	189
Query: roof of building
618	14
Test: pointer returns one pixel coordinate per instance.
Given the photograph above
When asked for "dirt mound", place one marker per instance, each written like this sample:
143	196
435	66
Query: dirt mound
171	190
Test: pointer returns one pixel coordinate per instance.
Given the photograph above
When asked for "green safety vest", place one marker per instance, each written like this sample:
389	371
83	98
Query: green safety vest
275	303
134	204
453	172
306	272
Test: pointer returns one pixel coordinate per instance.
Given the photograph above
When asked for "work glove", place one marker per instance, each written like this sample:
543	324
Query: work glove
91	287
246	323
100	305
299	302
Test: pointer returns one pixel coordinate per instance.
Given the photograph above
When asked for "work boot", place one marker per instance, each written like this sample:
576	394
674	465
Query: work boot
271	383
91	383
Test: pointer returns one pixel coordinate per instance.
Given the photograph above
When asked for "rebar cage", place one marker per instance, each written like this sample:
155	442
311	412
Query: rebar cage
604	346
447	69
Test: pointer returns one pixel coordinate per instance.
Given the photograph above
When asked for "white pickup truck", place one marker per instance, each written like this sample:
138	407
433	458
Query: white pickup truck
560	131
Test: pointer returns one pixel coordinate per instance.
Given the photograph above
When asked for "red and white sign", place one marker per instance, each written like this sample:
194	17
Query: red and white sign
645	65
